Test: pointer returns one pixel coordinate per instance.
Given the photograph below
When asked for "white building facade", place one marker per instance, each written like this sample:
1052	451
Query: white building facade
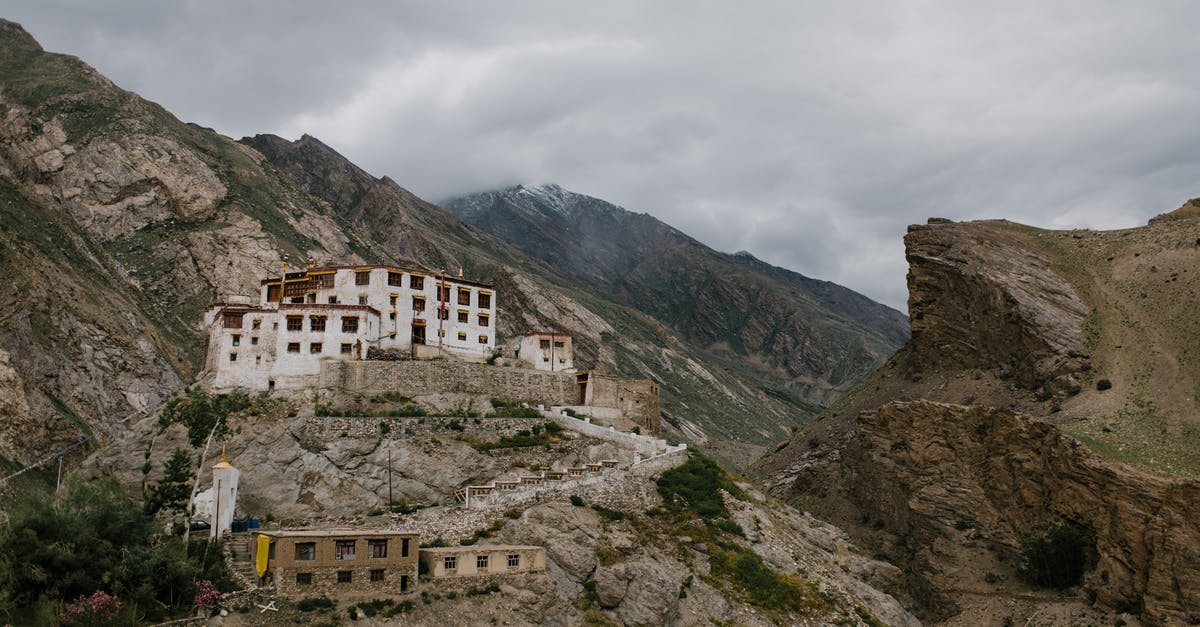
545	351
341	312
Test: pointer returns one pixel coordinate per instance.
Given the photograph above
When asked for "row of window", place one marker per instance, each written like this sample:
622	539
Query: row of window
345	549
347	576
481	562
396	279
317	323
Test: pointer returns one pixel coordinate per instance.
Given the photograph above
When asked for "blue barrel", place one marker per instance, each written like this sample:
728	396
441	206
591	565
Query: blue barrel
254	523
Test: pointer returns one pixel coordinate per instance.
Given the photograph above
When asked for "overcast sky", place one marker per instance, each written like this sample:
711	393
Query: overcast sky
807	133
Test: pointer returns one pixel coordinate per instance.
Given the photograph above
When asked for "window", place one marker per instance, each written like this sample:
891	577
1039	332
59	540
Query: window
273	293
392	300
254	341
404	547
395	279
317	324
349	324
514	560
233	321
464	296
343	550
485	300
483	320
258	359
416	282
463	317
483	339
333	300
345	576
404	583
376	549
558	344
297	300
443	314
544	344
418	303
295	323
347	349
232	356
450	563
254	325
293	347
377	574
304	579
315	347
362	299
481	562
462	336
306	551
362	277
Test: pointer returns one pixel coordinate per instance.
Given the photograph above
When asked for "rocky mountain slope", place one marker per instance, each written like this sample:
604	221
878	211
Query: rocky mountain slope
121	223
1050	379
811	339
626	557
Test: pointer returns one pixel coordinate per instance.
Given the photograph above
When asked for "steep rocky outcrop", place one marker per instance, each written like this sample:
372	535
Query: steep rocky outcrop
1045	382
982	297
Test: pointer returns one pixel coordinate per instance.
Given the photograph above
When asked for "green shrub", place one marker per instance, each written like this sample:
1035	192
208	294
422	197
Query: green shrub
609	514
200	411
1056	559
576	500
91	537
761	586
435	543
696	484
311	604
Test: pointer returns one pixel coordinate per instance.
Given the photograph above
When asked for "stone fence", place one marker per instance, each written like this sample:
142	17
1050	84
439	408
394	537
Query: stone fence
645	445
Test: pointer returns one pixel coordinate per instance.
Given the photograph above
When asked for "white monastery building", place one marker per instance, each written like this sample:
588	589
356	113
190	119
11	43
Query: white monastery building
340	312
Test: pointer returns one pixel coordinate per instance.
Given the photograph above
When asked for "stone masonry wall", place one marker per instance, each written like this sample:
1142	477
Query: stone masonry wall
416	378
324	581
406	428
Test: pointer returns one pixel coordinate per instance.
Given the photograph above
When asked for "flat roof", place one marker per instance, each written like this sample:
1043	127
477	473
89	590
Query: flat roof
331	533
429	273
475	548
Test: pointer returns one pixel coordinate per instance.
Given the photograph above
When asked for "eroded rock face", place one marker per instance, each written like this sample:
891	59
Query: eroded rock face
981	296
923	466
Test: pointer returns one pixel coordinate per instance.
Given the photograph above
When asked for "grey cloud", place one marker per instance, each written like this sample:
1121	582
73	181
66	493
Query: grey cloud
810	134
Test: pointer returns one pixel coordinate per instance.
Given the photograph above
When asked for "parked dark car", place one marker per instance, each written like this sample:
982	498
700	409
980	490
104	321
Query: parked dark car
199	525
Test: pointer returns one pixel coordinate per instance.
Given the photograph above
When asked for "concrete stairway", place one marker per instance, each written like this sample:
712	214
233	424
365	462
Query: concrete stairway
242	559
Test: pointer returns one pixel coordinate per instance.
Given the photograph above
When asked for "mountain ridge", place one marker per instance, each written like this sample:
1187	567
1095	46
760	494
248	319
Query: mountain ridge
767	320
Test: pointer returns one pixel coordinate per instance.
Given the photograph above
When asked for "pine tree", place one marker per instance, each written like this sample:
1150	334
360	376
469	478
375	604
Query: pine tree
173	491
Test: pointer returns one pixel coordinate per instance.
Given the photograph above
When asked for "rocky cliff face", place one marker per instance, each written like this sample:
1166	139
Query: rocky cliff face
923	468
1039	386
983	297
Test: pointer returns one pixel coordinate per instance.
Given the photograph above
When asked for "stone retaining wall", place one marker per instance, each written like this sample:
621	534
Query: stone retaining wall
326	427
416	378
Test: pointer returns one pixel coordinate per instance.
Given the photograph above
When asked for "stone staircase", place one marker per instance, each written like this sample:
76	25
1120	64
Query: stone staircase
241	559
